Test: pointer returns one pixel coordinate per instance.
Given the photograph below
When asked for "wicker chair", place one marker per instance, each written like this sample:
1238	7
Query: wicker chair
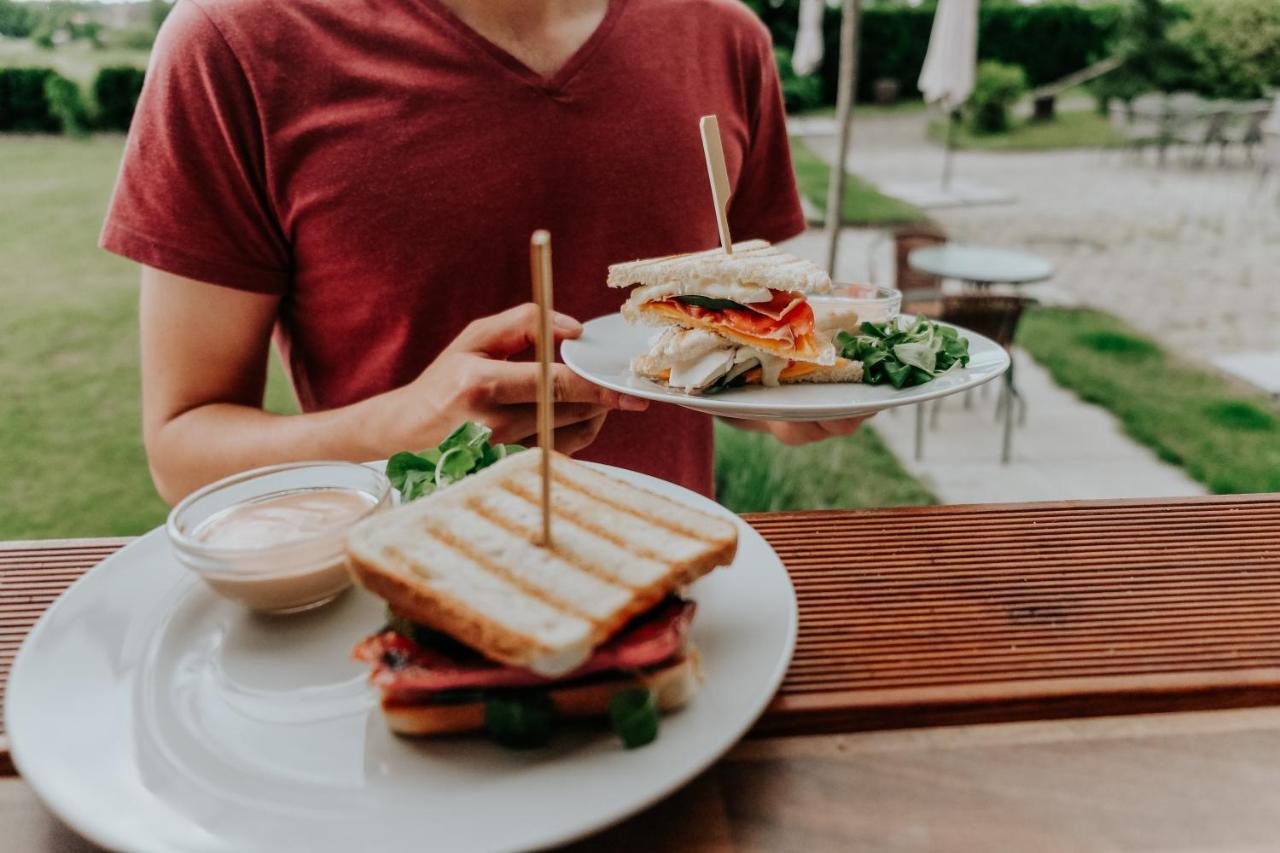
920	290
995	316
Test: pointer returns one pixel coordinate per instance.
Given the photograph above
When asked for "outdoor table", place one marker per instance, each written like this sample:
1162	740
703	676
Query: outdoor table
980	266
1058	676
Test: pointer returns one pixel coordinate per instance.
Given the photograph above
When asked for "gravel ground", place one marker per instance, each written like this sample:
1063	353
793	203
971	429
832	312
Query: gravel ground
1190	255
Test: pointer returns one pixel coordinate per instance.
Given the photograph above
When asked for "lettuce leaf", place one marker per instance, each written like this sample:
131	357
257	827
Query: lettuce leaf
904	353
463	452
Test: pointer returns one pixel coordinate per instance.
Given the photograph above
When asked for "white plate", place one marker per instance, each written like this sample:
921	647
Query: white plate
603	355
151	715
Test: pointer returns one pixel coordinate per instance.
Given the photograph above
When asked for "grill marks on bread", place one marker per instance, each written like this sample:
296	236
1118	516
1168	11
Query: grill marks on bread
465	560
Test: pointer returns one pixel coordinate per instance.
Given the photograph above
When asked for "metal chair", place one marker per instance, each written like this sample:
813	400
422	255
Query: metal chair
995	316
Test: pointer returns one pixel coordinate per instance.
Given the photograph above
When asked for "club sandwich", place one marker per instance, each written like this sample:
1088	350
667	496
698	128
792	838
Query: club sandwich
480	610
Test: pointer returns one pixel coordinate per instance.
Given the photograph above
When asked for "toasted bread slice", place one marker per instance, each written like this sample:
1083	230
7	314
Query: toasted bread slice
464	560
672	686
746	276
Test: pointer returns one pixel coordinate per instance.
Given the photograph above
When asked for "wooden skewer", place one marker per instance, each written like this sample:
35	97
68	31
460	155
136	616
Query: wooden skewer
719	175
540	265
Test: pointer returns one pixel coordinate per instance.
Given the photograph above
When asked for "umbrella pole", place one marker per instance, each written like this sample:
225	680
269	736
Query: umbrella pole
953	119
844	118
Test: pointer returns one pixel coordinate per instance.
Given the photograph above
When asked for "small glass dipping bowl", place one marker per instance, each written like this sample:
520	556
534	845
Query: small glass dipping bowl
872	304
291	574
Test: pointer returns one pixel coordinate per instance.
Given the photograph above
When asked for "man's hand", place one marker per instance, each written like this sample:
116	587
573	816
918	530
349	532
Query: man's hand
473	380
801	432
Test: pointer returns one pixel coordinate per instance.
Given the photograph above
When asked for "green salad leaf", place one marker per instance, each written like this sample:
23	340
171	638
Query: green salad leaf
520	720
463	452
904	354
634	715
711	303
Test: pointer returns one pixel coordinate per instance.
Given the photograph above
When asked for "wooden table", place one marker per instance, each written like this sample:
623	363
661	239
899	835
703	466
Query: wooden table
1191	594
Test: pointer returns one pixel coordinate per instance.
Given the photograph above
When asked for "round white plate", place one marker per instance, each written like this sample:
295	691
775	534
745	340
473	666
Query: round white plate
603	355
152	715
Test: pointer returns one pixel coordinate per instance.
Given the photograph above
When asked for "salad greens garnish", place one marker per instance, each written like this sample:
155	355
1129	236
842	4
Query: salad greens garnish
520	720
904	355
634	714
711	303
466	450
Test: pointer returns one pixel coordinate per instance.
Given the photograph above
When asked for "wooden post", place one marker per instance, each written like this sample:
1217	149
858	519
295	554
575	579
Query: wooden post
844	118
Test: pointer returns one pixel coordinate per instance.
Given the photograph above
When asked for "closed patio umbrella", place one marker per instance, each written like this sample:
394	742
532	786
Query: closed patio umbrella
949	65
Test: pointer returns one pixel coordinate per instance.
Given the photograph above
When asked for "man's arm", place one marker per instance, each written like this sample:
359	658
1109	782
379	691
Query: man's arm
204	367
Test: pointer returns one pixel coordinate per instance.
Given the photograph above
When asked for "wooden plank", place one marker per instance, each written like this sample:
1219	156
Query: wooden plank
957	614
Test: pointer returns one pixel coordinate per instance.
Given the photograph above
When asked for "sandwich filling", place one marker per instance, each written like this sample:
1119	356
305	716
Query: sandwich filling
697	361
413	664
784	325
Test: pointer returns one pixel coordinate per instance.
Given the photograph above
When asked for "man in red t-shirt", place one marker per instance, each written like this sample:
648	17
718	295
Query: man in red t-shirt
362	178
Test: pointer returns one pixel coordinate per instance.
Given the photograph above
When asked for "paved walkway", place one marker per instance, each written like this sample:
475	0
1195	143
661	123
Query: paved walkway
1067	450
1190	255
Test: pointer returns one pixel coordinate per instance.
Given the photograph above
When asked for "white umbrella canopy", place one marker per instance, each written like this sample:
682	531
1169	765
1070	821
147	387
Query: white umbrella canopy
947	75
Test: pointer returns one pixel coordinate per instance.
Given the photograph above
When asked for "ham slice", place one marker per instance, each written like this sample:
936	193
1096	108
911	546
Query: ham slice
406	671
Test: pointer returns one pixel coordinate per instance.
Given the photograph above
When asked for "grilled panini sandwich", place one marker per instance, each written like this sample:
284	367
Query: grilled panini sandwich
479	608
754	297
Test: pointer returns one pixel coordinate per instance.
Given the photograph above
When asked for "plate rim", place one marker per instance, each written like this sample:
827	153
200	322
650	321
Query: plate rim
571	349
46	788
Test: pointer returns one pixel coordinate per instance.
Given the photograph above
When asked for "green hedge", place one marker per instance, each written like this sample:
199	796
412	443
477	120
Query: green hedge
1049	40
115	91
23	104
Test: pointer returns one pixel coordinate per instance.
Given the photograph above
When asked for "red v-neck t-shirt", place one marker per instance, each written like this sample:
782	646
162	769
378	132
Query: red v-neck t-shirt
381	165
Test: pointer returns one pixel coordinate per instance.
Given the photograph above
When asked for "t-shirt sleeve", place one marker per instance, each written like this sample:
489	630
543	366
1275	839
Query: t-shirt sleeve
765	203
192	195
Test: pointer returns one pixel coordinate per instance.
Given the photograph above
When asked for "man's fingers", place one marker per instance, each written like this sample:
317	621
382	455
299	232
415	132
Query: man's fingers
518	423
571	439
517	382
845	426
510	332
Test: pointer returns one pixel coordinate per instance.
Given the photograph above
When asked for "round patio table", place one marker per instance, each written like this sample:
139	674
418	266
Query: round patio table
980	266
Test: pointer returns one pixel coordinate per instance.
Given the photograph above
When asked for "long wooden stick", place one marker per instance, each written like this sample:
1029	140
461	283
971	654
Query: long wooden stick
848	84
719	175
540	265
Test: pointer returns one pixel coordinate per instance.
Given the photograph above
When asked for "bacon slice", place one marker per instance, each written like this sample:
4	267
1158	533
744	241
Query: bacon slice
406	671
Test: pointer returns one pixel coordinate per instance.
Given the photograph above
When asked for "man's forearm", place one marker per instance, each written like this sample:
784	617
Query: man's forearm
232	438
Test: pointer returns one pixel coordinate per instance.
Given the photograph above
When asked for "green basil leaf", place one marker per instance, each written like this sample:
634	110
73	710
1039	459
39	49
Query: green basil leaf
634	715
521	720
711	303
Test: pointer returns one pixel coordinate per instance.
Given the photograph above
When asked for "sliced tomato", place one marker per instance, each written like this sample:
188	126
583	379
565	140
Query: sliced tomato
788	308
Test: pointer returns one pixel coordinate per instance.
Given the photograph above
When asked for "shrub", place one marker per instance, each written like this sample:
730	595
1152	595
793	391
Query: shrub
66	104
115	91
799	91
17	20
23	104
996	87
1050	39
1233	46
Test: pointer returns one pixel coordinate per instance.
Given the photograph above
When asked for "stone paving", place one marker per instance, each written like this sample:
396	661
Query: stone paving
1189	255
1066	450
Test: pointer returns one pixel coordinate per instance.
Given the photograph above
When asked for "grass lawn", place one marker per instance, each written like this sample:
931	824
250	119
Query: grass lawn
70	445
1078	129
756	474
863	203
76	60
1225	437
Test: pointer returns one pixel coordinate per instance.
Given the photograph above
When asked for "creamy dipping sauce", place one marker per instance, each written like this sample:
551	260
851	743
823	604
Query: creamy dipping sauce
281	518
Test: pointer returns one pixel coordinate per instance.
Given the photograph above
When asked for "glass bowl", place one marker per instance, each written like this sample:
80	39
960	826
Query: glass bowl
870	304
276	572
